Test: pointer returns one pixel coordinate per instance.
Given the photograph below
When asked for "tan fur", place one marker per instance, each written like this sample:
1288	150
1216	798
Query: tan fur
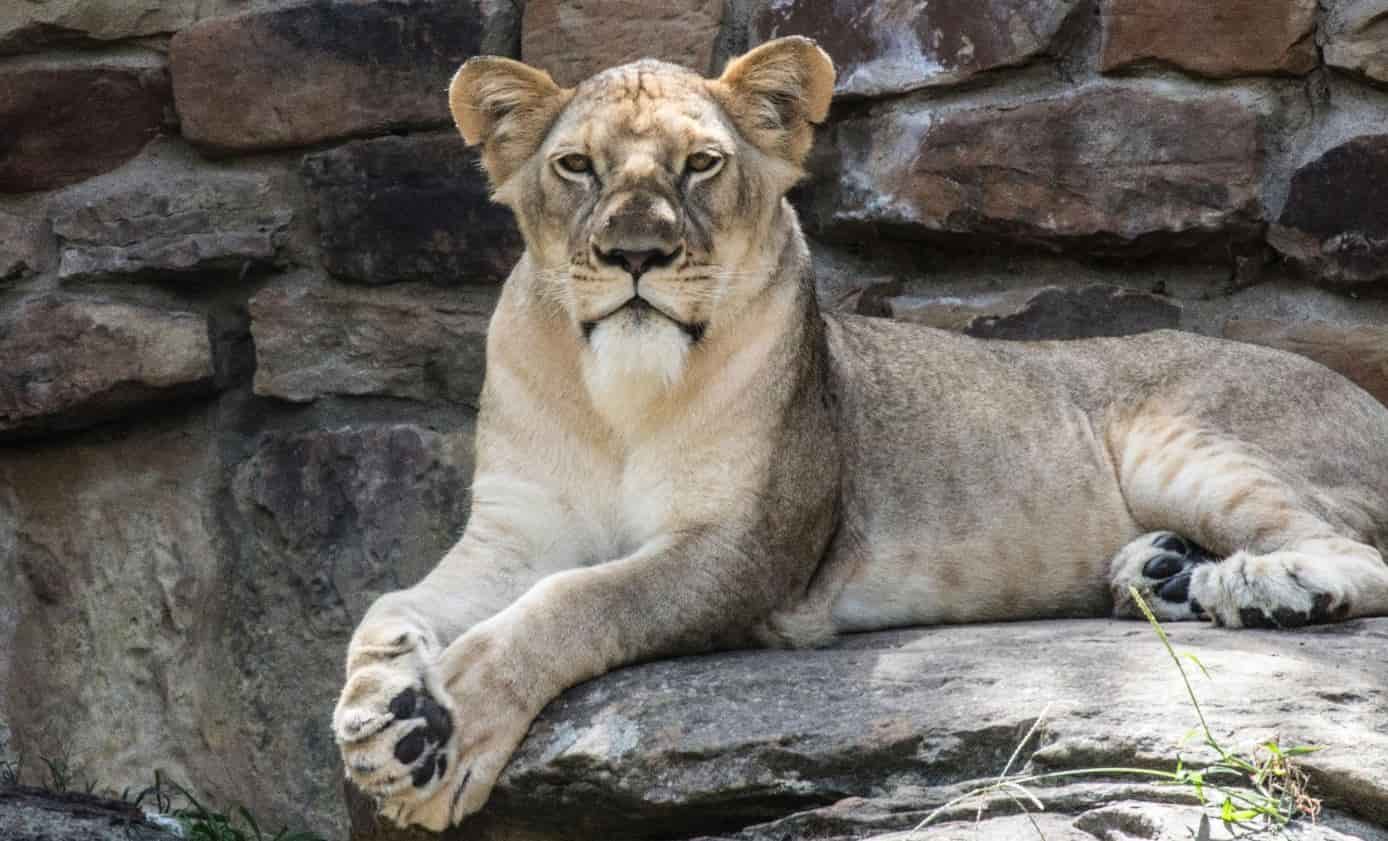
718	464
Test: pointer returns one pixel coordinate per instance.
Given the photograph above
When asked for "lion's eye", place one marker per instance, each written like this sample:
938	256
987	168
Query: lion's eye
576	163
701	161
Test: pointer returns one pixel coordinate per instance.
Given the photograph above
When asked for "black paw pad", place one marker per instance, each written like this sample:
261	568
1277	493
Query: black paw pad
437	721
1173	564
430	769
1176	588
402	705
408	749
1165	565
419	748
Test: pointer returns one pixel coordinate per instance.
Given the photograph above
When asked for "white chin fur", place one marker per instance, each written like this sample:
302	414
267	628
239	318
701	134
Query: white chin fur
632	361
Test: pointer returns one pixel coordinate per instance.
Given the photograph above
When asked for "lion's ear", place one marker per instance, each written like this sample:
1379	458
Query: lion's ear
506	107
777	92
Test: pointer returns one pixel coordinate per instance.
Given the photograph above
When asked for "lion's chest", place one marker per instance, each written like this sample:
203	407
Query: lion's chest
651	494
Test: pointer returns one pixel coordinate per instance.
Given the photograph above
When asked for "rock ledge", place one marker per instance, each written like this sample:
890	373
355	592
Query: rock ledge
863	739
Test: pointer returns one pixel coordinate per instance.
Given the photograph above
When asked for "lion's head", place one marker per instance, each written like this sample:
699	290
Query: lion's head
647	195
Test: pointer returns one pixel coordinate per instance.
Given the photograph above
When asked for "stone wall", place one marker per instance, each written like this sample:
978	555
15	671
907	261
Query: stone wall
246	266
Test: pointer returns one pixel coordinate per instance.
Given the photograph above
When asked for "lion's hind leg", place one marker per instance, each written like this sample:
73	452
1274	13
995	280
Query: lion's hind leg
1245	548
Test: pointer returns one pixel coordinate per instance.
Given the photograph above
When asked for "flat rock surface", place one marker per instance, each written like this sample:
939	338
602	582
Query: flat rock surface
321	69
1356	38
1101	168
408	340
867	737
885	47
168	215
1218	38
573	39
64	123
70	361
410	208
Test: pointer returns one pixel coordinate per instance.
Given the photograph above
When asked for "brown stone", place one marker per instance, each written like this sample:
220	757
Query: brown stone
1102	169
1335	221
69	362
1035	315
1358	352
326	68
573	39
1219	38
894	46
1356	38
410	208
408	341
171	215
59	125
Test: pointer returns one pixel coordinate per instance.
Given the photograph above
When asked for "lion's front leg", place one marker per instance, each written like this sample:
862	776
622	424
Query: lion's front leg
492	681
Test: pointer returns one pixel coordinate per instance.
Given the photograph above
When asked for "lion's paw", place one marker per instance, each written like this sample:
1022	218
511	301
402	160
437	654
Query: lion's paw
396	732
1161	565
404	742
1279	590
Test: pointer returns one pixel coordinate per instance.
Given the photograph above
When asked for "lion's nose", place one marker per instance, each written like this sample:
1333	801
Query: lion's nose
636	263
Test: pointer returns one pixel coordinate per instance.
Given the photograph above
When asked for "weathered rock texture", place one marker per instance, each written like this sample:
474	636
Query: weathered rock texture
113	577
1334	222
416	208
167	216
894	46
1212	37
321	69
246	269
63	124
1109	169
324	522
30	814
19	246
1356	38
408	341
68	362
573	39
869	736
178	601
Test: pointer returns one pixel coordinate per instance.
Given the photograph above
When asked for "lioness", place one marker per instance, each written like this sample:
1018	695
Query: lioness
677	451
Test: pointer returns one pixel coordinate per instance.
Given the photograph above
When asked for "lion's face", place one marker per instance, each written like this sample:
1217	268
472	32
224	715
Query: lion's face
633	199
647	194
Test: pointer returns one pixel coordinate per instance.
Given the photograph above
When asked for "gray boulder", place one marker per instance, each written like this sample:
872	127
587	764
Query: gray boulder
866	738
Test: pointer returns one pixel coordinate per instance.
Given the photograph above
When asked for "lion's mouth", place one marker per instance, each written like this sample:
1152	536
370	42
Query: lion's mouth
642	309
